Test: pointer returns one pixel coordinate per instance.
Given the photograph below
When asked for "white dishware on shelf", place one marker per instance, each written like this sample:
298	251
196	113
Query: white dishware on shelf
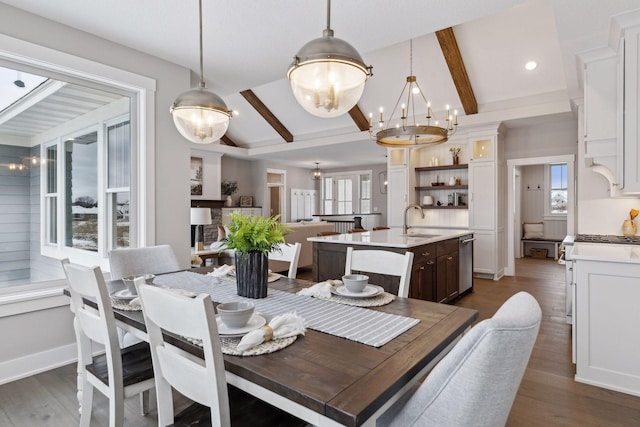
427	201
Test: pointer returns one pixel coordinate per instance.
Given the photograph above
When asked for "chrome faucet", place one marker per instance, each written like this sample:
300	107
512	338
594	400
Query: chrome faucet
405	227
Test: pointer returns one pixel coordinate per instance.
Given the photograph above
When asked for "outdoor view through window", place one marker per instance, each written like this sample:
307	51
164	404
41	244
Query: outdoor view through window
79	139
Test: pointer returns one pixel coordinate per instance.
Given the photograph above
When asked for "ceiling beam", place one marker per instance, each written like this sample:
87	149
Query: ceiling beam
359	118
262	109
228	141
451	52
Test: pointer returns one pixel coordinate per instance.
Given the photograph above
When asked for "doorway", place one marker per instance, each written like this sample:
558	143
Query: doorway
514	200
276	185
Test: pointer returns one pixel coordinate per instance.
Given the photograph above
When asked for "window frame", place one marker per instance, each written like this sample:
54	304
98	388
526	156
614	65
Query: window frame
548	214
356	190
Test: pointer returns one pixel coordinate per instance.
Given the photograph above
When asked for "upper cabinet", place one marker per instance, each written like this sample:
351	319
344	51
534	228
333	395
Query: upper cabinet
630	56
612	107
482	150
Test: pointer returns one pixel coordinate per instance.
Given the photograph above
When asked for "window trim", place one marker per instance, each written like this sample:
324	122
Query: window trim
357	200
140	89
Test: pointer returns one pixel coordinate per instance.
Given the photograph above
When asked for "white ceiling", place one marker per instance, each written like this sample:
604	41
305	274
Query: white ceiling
250	44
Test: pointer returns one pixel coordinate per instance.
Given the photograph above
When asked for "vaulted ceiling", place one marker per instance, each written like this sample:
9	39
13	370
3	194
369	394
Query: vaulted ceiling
248	46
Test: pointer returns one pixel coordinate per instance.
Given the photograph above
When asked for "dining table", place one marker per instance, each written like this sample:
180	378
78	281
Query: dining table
328	380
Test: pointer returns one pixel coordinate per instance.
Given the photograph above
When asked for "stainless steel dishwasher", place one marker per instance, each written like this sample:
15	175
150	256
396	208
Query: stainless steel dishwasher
465	263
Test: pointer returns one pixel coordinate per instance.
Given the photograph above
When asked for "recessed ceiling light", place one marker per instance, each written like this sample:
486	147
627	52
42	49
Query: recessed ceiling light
531	65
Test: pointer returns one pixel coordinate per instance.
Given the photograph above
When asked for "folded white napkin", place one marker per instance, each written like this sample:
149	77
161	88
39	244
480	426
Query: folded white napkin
222	271
320	290
282	326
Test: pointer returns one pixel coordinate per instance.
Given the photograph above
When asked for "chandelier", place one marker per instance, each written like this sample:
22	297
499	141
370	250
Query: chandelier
199	115
328	75
405	131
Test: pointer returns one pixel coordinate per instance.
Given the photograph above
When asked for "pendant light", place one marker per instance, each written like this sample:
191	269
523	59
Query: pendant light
316	173
328	75
199	115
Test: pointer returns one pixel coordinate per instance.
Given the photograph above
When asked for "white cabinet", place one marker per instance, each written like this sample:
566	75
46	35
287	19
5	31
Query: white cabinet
487	202
606	321
601	92
630	57
397	198
482	196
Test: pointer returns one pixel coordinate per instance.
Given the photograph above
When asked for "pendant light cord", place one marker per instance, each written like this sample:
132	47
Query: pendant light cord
202	84
328	14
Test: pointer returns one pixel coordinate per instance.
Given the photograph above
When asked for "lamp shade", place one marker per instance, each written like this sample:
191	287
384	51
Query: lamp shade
200	116
200	216
328	76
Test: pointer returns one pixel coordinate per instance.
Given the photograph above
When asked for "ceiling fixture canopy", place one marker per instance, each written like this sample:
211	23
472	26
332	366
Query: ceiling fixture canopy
199	115
405	131
316	173
328	75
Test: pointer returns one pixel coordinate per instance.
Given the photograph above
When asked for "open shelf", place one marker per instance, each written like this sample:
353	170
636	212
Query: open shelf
443	207
443	187
441	168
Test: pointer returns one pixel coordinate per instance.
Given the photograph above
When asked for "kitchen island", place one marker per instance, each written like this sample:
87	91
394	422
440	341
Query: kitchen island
439	272
606	291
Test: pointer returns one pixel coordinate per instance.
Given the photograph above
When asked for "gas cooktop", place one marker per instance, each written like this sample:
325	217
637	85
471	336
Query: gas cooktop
607	238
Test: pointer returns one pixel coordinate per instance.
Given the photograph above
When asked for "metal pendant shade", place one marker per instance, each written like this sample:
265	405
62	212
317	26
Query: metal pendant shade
328	75
199	115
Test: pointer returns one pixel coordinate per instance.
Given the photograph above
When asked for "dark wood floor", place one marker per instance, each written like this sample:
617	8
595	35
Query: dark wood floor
548	395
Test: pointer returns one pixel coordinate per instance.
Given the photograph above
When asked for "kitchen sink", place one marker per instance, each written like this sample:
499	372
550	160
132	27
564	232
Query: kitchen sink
421	235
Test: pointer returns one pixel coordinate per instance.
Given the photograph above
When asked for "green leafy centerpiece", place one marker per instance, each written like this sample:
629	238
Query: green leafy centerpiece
253	237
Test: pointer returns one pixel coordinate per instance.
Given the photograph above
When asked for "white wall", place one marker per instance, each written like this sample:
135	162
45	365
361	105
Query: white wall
49	331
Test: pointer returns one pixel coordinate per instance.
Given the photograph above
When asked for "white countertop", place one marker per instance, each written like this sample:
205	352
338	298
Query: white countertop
393	238
606	252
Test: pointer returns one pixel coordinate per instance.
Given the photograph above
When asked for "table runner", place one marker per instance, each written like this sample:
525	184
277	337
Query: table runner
358	324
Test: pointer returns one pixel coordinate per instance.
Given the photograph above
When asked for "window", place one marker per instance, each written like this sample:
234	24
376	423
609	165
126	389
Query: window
87	202
327	195
344	200
346	193
365	193
558	189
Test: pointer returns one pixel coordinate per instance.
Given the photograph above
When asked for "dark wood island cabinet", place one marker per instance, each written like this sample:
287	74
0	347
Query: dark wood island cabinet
435	271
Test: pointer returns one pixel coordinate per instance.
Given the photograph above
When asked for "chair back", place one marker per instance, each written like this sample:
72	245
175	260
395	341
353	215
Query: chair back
91	324
357	230
150	260
382	262
290	253
201	381
328	233
476	383
380	228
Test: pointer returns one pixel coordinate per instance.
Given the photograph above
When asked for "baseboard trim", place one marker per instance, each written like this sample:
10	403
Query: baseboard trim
33	364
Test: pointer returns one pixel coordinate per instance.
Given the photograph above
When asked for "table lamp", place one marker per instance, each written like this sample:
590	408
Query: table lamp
200	217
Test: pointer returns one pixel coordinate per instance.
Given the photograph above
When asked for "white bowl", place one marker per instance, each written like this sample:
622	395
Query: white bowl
355	282
235	314
128	282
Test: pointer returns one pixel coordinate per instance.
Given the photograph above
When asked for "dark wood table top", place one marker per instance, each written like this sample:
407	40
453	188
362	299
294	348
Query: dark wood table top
342	379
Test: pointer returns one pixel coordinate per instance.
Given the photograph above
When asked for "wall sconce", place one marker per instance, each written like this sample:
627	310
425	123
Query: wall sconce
382	177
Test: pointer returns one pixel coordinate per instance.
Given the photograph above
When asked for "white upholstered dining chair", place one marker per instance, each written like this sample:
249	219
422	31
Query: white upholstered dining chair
382	262
117	373
148	260
476	383
202	381
288	252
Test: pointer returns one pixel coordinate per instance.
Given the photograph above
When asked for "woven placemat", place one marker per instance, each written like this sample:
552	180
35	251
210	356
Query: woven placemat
123	305
230	345
382	299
